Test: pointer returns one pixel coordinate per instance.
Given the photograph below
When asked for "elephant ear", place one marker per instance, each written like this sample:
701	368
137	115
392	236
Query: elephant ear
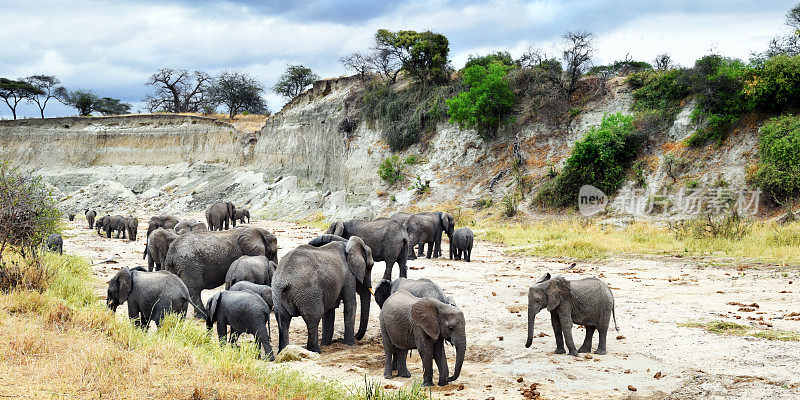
557	292
336	228
271	267
125	284
546	277
425	314
359	260
325	239
211	309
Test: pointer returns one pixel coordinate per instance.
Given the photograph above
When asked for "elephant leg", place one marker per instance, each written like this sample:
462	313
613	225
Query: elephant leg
586	347
467	255
312	324
402	263
284	320
263	340
387	273
226	223
452	250
421	247
350	318
135	314
554	320
150	263
441	362
426	354
327	327
601	345
431	249
388	353
402	368
566	329
222	328
194	294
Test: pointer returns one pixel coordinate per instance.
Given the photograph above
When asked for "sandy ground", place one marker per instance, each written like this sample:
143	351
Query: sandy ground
654	297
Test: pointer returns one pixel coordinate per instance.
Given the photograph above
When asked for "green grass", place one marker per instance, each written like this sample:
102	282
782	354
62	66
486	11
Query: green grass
731	328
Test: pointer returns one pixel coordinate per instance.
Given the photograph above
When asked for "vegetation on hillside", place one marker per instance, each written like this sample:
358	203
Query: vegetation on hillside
778	172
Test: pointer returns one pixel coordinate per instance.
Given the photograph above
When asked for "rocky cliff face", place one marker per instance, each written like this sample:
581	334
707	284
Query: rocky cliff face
301	162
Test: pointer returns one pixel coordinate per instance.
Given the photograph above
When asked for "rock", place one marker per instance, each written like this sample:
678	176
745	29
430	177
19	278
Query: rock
631	388
295	353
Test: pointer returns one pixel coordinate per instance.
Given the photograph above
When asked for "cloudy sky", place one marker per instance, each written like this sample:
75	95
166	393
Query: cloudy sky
112	46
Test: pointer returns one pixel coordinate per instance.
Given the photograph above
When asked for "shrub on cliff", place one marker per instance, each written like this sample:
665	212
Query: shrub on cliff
599	159
775	84
778	174
488	100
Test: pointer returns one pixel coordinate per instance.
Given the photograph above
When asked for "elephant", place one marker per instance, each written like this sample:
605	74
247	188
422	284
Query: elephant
161	221
422	287
386	238
312	279
588	302
202	258
55	243
427	228
189	225
90	216
256	269
132	226
71	216
262	290
157	247
220	216
245	312
461	244
402	217
409	322
240	214
150	295
99	223
111	223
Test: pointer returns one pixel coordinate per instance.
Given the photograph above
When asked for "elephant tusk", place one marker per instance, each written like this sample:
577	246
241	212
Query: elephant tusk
371	291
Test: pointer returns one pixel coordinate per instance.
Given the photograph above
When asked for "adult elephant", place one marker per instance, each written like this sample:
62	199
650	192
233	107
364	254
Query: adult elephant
202	258
386	238
313	278
161	221
157	246
220	216
111	223
427	228
240	214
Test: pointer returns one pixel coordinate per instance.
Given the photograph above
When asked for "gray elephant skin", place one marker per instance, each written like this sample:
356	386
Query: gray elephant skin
157	246
112	223
220	216
256	269
262	290
161	221
55	243
386	238
422	287
408	322
313	279
150	295
461	244
132	227
588	302
428	228
244	312
90	216
189	225
402	217
240	214
202	258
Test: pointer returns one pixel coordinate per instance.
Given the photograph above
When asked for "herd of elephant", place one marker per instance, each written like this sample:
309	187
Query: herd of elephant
313	279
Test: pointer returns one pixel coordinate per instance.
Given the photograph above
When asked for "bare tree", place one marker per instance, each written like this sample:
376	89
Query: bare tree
386	62
177	91
662	62
358	62
578	49
50	87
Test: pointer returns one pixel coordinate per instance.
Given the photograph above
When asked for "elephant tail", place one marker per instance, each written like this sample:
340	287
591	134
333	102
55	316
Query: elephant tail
614	313
145	252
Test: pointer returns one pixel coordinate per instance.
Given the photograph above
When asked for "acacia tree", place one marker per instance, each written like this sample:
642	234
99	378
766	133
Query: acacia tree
423	55
50	87
14	92
578	49
111	106
238	92
177	91
83	100
294	80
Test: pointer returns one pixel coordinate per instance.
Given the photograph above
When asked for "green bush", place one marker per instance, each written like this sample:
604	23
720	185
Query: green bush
28	212
391	170
778	174
503	57
599	159
775	85
487	102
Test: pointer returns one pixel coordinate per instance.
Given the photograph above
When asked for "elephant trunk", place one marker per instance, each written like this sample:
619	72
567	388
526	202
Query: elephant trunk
532	311
366	299
461	349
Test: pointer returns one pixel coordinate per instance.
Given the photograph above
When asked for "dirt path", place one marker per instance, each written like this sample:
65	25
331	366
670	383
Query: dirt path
655	299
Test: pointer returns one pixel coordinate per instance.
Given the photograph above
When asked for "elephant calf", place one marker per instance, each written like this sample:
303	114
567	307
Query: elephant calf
461	244
262	290
588	302
189	225
90	216
240	214
55	243
132	227
256	269
408	322
150	295
157	247
422	287
245	312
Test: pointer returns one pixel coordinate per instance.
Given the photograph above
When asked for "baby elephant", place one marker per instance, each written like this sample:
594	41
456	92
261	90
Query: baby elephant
245	312
461	244
408	322
132	227
262	290
150	295
422	287
55	243
256	269
588	302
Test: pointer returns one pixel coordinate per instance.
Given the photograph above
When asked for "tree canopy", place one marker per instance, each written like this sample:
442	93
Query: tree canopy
14	92
294	81
177	91
238	92
423	55
50	88
87	102
487	101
